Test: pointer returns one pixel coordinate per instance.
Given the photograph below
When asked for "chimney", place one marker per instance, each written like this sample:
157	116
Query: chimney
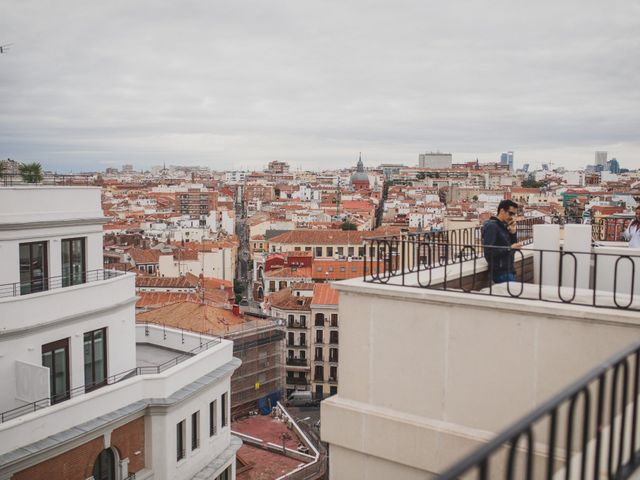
236	309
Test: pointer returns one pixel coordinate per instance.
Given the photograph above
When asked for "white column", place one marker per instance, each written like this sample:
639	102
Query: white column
546	241
577	244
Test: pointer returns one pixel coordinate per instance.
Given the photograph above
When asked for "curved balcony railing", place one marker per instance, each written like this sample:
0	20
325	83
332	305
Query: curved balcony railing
52	283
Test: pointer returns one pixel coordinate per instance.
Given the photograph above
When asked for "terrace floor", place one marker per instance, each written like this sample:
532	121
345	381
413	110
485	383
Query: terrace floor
150	355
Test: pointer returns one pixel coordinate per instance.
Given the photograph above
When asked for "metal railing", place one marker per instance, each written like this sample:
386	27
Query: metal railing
118	377
297	362
589	428
60	281
582	278
15	179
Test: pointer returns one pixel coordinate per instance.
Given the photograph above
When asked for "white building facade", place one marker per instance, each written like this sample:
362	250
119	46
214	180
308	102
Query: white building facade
85	392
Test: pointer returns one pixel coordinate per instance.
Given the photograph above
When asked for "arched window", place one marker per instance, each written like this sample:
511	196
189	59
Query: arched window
105	466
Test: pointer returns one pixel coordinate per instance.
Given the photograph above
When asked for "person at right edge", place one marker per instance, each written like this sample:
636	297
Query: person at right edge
632	233
499	238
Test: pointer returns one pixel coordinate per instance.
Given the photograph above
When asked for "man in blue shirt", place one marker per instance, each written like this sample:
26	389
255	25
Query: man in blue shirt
500	239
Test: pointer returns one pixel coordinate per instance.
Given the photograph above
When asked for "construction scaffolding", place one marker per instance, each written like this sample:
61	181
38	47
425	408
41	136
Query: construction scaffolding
259	344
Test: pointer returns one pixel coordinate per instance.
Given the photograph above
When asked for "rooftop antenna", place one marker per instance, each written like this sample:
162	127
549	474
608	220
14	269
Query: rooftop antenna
4	48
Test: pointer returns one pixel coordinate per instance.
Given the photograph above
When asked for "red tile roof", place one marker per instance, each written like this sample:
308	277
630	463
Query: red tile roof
336	269
319	237
143	256
323	294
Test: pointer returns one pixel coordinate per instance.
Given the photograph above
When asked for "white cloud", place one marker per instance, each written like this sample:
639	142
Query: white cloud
243	82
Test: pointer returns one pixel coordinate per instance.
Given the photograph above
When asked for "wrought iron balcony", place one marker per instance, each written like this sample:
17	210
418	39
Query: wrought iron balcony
589	429
297	362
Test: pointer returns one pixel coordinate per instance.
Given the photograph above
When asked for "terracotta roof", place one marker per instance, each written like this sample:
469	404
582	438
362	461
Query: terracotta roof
323	294
285	300
320	237
289	272
142	256
160	299
336	269
193	316
167	282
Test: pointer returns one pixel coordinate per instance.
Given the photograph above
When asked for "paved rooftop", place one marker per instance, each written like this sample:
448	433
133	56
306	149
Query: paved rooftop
149	355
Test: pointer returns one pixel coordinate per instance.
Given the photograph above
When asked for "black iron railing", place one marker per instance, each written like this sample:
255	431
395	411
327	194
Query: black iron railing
61	281
297	362
582	278
81	390
15	179
588	430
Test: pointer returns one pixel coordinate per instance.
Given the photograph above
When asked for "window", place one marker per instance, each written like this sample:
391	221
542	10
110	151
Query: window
95	358
350	251
319	320
318	251
303	355
333	354
318	269
318	336
291	342
333	374
361	251
33	267
319	354
223	405
333	337
195	430
354	269
307	249
343	269
213	413
331	268
55	356
303	339
334	319
104	467
290	321
303	321
319	373
272	286
226	475
74	268
329	251
340	251
180	451
296	249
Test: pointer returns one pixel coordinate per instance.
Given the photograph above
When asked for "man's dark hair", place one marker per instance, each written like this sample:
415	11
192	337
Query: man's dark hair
506	205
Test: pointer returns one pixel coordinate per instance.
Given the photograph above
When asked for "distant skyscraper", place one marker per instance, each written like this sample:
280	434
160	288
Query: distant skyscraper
127	168
507	159
525	168
613	166
601	158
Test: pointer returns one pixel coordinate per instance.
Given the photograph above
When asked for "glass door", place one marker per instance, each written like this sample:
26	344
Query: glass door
74	269
33	267
55	356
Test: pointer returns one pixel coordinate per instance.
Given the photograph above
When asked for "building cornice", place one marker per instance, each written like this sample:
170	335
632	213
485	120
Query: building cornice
37	224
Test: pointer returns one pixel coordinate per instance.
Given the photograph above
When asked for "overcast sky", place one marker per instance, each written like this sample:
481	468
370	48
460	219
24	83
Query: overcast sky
231	84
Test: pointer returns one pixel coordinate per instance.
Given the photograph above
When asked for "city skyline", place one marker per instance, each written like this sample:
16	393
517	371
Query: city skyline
87	87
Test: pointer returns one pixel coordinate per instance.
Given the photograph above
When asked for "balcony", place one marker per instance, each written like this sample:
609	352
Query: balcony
602	442
52	283
297	325
296	345
487	353
297	362
571	271
167	361
104	290
297	381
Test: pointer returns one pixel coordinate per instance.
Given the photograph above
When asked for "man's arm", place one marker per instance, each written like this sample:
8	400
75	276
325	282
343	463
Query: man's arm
489	236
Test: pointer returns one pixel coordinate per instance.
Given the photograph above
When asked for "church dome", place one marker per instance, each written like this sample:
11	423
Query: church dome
359	176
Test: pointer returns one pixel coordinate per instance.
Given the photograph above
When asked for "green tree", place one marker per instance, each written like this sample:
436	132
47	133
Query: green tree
421	176
532	184
475	198
348	226
31	172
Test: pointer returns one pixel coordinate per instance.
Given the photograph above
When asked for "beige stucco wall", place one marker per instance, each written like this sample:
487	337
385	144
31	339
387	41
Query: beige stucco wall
426	376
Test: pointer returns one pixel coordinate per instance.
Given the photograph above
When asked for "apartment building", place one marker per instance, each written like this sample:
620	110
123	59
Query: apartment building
324	340
86	393
435	361
196	202
292	305
321	243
